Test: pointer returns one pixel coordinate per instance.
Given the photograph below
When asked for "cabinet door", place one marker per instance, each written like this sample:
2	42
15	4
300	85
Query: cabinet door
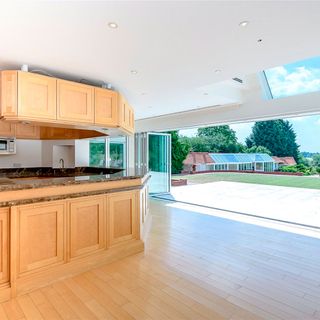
7	129
123	217
106	107
9	87
37	96
126	115
27	131
41	240
4	245
87	225
75	102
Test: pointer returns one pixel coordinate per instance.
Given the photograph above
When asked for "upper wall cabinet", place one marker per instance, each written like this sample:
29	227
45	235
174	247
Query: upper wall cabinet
126	115
7	129
106	107
48	101
37	96
27	95
75	102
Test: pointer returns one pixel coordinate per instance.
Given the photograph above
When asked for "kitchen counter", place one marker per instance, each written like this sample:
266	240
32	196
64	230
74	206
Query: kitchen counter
55	223
57	184
32	178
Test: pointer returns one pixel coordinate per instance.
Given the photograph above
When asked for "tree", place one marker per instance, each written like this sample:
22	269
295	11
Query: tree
258	149
316	160
179	152
218	139
276	135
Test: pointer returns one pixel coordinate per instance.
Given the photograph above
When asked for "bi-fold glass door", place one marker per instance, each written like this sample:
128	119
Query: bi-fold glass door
153	153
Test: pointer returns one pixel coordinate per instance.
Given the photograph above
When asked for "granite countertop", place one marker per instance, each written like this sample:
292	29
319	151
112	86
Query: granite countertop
31	178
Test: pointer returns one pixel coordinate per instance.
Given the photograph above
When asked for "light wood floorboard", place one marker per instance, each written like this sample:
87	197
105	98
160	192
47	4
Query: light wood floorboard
195	267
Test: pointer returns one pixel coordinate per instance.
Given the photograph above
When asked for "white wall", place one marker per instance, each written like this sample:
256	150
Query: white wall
82	153
29	154
52	155
66	153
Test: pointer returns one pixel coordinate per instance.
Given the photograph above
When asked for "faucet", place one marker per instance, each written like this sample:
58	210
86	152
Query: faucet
61	162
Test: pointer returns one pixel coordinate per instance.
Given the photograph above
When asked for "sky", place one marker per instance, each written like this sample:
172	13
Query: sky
294	78
287	80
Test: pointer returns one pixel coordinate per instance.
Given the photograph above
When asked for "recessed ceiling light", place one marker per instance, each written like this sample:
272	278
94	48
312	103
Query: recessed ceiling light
243	23
217	71
259	40
205	93
134	72
112	25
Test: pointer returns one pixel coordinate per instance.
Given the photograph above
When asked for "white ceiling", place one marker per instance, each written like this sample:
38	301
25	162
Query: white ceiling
174	45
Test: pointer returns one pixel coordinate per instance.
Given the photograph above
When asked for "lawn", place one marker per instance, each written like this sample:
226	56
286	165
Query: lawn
273	180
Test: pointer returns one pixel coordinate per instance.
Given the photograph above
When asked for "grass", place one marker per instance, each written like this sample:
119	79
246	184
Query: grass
272	180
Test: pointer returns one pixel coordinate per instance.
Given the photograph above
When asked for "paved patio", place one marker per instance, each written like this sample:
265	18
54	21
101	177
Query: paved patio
284	203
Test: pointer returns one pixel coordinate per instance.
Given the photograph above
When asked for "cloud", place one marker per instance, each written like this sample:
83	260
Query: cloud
284	82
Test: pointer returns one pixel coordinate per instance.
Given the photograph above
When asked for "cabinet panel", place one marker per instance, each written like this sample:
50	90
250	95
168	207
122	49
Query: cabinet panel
4	245
123	223
75	102
36	96
27	131
87	225
7	129
41	239
9	85
126	115
106	107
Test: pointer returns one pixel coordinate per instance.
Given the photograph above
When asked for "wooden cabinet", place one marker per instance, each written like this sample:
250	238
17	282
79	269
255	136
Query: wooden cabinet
123	217
106	107
27	131
87	225
48	101
40	235
27	95
36	96
7	129
4	245
126	115
75	102
9	93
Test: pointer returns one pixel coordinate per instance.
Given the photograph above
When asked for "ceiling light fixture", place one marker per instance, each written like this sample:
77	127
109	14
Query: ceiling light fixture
243	23
112	25
259	40
217	71
134	72
205	93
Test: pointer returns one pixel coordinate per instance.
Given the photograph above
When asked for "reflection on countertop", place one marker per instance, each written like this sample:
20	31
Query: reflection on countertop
30	178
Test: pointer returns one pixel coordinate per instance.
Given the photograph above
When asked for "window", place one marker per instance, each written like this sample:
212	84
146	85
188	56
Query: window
97	153
109	152
294	78
118	152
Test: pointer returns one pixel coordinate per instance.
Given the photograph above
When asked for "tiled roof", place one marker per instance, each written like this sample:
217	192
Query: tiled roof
198	158
290	161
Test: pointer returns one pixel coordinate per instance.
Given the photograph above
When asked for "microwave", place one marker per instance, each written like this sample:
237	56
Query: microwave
7	145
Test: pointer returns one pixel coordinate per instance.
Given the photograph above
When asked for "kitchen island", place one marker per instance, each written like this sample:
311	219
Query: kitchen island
55	223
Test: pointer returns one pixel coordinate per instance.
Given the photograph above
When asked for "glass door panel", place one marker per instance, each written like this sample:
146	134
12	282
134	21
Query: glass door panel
153	153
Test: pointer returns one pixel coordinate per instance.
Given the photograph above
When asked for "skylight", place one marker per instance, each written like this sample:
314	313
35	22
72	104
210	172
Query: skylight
294	78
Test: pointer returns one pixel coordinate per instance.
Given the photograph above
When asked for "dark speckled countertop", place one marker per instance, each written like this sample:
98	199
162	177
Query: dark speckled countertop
31	178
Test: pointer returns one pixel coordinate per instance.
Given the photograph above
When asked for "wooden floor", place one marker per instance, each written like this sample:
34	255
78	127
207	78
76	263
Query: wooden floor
195	267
